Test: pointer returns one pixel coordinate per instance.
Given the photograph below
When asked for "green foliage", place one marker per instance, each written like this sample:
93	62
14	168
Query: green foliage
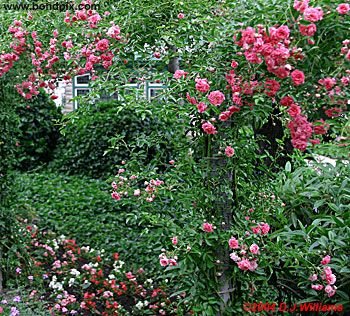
8	133
121	128
39	130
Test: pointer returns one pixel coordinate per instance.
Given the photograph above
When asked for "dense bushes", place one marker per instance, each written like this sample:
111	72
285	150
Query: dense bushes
39	130
135	127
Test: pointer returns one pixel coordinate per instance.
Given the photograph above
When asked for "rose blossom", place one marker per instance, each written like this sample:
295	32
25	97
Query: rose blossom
343	8
307	30
202	85
174	240
287	101
229	151
235	257
325	260
164	261
244	264
201	107
282	32
115	196
208	228
216	97
224	116
317	287
294	110
313	14
233	243
331	278
254	249
298	77
313	277
301	6
102	45
180	16
209	128
180	74
330	290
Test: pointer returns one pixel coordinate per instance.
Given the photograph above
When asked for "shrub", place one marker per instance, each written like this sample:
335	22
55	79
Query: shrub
135	127
39	130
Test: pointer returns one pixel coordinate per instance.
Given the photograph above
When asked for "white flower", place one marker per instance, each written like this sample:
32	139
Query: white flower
139	305
150	281
74	272
71	282
111	276
146	303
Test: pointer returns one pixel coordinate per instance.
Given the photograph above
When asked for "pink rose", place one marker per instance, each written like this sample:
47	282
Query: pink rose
114	32
265	228
331	278
244	264
156	55
164	261
287	101
229	151
313	14
343	8
325	260
202	85
180	74
330	290
115	196
216	97
317	287
282	32
180	16
201	107
234	64
233	243
307	30
294	110
235	257
102	45
209	128
172	262
224	116
208	228
254	249
298	77
301	6
313	277
253	265
174	240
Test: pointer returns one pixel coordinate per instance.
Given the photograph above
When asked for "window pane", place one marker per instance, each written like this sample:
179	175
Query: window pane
83	79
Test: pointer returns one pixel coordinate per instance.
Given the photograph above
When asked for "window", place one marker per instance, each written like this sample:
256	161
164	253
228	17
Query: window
147	90
152	90
80	88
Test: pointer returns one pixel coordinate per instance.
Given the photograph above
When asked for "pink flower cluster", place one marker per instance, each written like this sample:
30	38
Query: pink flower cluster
327	276
124	185
18	46
245	260
261	229
271	48
165	261
300	129
246	257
